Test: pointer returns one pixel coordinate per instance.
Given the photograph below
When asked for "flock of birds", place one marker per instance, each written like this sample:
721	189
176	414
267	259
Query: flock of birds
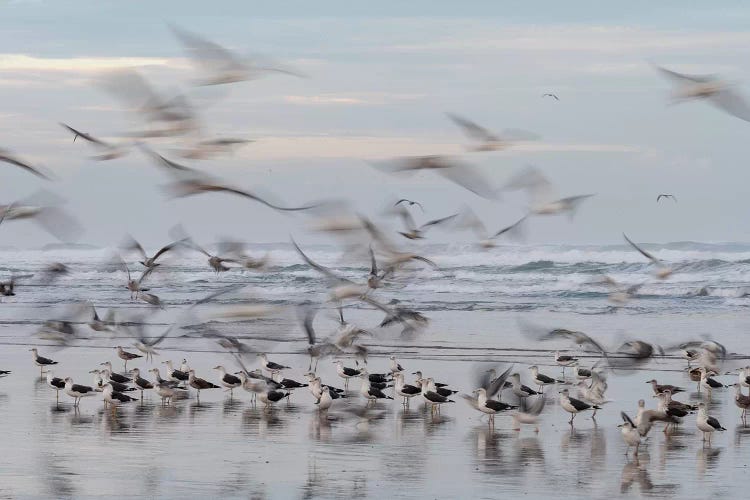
173	117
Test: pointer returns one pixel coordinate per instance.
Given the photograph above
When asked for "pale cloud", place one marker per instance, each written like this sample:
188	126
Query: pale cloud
380	147
22	62
355	99
584	39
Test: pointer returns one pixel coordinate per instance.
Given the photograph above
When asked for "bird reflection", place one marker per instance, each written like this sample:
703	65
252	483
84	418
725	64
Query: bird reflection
706	459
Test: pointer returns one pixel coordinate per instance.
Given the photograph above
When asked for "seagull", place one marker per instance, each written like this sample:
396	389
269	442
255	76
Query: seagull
374	279
551	95
270	396
460	173
111	151
417	233
519	389
489	141
406	391
719	93
564	360
199	384
529	414
165	389
126	356
542	380
228	380
221	65
542	193
77	392
176	375
489	406
122	379
658	389
574	406
629	433
115	398
740	400
141	383
409	202
346	373
662	270
371	394
40	361
56	383
709	383
706	423
270	365
673	197
325	401
131	243
106	378
7	157
395	366
433	398
134	285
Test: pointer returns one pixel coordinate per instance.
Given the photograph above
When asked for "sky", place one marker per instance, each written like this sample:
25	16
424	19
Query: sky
379	80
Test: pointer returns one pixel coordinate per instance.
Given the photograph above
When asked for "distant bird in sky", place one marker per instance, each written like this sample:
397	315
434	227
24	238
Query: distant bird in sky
718	92
110	151
658	198
410	202
551	95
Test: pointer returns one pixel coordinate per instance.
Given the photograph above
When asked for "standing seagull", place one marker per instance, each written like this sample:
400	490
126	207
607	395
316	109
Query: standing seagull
629	433
228	380
56	383
433	398
270	365
346	373
574	406
141	383
77	391
542	380
489	406
519	389
706	423
395	366
126	356
198	384
564	360
41	362
115	398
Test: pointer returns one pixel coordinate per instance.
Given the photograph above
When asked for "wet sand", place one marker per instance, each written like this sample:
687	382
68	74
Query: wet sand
229	448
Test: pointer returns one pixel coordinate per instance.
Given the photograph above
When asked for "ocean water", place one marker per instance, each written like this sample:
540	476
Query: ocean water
475	300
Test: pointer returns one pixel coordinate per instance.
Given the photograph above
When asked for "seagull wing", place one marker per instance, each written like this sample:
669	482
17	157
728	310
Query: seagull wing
130	243
7	158
307	315
496	385
206	53
682	78
373	263
642	251
407	218
469	178
514	228
471	129
437	222
626	419
321	269
84	135
729	100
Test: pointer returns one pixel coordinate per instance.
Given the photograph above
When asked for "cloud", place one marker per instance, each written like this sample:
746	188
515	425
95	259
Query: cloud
356	99
22	62
380	147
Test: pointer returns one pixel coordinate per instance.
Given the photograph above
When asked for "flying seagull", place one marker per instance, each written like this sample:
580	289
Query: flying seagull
674	198
663	271
718	92
551	95
410	202
7	157
489	141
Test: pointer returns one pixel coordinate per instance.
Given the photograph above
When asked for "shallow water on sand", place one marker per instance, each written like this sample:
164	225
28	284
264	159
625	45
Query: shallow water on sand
230	448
